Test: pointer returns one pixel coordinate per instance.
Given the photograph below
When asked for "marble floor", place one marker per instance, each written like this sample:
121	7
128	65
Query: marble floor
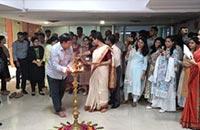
36	113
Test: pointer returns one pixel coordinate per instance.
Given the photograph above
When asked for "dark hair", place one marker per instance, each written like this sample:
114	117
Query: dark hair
143	34
65	37
41	34
112	39
153	47
47	31
33	39
133	34
98	36
80	28
183	27
52	39
20	33
145	49
109	31
154	28
196	40
172	38
86	37
2	37
71	33
25	33
93	31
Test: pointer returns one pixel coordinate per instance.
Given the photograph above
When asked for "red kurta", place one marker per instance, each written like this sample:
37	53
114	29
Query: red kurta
191	113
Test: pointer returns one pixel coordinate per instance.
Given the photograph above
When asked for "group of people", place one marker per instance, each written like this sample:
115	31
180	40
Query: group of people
145	65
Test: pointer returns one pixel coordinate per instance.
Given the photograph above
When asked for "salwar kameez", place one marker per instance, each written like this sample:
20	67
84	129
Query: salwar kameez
137	64
164	82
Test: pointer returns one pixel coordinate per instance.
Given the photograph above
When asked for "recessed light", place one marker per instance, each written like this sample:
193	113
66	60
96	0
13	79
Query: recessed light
102	22
46	22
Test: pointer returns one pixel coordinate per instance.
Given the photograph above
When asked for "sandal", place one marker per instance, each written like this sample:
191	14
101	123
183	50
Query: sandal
13	95
18	95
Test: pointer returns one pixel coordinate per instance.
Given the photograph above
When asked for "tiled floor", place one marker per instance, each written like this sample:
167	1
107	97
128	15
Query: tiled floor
36	113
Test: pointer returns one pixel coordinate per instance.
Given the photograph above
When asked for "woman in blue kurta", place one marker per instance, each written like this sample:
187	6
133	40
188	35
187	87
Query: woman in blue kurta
135	73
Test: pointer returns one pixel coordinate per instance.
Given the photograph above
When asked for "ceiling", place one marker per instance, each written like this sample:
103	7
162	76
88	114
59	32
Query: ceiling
90	12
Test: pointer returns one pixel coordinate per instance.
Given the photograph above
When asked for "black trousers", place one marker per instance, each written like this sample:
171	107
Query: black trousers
3	84
57	90
34	83
115	94
21	73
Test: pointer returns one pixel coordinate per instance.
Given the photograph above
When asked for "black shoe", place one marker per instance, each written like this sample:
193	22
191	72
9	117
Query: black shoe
33	93
24	92
110	102
115	106
1	124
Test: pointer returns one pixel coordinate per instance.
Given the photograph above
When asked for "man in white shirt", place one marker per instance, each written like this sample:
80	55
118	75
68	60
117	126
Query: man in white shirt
58	69
116	52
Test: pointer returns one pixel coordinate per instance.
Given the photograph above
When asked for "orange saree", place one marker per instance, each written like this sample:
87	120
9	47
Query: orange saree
191	113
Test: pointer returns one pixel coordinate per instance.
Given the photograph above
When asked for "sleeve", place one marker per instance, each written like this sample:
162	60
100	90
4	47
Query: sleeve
144	67
14	52
55	62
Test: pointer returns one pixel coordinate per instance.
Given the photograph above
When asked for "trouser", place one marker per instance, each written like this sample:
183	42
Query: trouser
115	94
34	83
21	73
57	90
3	84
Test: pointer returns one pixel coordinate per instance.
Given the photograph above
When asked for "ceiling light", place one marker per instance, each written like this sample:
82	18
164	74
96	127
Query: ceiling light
102	22
46	22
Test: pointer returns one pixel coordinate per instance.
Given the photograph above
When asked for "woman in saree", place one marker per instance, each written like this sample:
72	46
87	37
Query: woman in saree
190	115
97	98
184	77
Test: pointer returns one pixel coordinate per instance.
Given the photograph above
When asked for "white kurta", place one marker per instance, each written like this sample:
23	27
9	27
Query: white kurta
137	64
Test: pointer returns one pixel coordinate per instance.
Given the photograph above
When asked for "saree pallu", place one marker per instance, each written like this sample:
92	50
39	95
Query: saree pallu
99	81
191	113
